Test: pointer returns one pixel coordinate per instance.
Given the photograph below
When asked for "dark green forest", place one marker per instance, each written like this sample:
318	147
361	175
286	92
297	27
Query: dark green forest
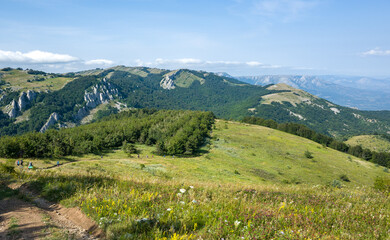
172	132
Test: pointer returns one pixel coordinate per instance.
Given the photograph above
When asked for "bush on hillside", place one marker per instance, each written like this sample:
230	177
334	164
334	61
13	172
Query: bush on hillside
308	154
129	148
344	178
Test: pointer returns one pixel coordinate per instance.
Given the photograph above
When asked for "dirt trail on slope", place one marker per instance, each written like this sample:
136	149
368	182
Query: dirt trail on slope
21	220
29	219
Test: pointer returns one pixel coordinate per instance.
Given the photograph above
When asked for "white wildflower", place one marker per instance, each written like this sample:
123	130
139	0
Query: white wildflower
191	187
168	209
236	223
182	190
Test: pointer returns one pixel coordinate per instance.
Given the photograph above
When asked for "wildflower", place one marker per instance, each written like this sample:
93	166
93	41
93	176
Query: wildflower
168	209
191	187
283	204
182	202
281	232
182	190
194	201
179	194
236	223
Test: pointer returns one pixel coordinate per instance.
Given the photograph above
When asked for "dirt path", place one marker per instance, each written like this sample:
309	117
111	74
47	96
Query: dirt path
21	220
42	220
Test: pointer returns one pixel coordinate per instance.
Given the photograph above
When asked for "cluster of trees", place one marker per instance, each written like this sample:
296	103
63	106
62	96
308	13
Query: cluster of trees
173	132
36	72
380	158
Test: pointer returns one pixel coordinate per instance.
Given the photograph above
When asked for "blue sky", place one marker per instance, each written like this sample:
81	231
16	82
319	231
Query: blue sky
241	37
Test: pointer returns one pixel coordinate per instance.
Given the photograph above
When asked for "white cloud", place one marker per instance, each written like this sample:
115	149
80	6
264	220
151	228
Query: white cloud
376	52
99	62
254	63
34	57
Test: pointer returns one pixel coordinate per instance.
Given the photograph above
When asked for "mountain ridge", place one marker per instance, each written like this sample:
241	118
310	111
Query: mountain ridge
227	97
332	88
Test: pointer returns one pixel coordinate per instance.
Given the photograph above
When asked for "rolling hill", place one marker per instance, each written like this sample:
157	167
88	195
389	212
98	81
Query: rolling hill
372	142
29	105
355	92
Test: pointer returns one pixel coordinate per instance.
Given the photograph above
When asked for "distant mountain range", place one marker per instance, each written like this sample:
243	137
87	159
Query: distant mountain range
37	101
355	92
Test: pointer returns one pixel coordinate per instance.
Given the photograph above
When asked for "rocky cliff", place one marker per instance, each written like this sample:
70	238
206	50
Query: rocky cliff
167	81
53	119
100	93
15	108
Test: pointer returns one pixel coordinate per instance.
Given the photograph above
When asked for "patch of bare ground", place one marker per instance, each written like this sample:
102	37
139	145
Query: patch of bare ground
40	219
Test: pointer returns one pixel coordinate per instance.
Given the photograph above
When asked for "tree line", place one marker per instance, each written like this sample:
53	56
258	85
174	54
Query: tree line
172	132
380	158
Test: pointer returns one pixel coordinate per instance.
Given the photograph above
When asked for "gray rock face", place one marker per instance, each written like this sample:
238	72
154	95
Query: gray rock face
167	82
53	119
100	93
31	95
12	109
23	101
15	108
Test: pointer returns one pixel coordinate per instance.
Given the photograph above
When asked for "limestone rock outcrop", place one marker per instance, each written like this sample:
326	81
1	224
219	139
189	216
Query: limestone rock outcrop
100	93
167	82
15	108
53	119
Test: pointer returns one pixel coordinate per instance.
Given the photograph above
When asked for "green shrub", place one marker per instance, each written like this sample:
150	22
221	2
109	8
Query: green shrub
344	178
308	154
129	148
336	183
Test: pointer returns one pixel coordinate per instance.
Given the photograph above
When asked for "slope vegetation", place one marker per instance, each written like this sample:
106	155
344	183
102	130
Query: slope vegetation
142	87
248	182
372	142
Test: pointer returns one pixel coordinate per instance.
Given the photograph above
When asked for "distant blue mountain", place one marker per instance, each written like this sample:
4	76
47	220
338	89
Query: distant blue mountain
355	92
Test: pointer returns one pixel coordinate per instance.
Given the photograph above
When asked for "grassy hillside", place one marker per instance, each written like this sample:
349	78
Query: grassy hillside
21	80
372	142
245	154
248	182
294	105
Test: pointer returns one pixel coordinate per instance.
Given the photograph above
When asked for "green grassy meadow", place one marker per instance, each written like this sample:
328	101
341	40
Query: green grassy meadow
248	182
372	142
20	80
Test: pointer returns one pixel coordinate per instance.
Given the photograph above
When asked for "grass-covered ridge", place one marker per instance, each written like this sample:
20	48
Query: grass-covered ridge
373	142
251	181
23	80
